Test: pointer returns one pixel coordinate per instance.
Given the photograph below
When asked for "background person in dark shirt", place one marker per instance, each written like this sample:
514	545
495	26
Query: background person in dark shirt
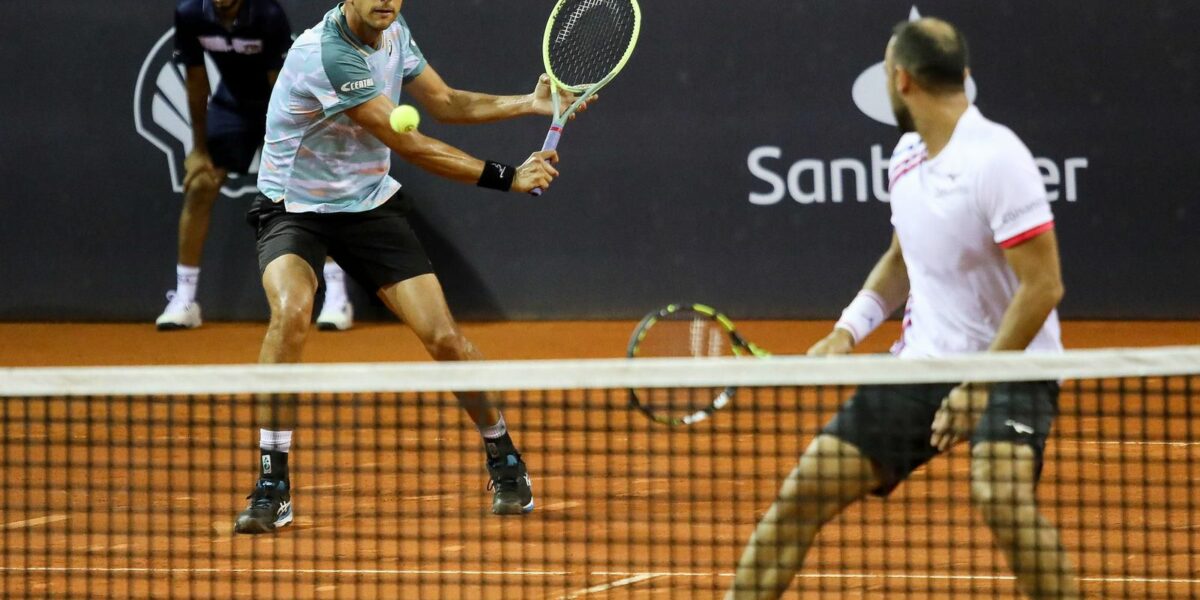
247	40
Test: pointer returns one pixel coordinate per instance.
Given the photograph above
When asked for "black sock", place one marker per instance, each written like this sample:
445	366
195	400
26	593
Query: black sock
499	447
273	465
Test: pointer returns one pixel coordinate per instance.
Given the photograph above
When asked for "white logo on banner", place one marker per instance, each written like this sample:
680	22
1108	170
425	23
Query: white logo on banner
817	181
160	114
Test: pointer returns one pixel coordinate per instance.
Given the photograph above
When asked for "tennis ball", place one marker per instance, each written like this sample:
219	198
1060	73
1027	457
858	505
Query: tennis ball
404	118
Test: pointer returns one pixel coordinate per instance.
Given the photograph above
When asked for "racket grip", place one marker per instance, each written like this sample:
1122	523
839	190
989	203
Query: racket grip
551	143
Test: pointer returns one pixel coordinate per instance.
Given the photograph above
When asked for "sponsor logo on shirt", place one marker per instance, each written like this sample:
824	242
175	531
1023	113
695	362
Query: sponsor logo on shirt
1019	427
219	43
350	86
1016	213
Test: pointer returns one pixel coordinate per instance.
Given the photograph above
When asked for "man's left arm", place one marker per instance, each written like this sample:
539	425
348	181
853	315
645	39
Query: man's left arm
449	105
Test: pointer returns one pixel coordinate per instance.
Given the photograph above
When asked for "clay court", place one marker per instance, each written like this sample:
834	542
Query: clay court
395	505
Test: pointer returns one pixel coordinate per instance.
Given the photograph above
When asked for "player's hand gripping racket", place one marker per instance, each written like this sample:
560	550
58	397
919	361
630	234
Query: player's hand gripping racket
685	330
587	42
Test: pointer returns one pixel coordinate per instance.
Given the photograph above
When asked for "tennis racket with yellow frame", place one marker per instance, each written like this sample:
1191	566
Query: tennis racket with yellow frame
587	42
679	331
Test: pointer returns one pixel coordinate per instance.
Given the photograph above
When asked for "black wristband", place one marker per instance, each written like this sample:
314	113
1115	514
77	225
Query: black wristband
496	176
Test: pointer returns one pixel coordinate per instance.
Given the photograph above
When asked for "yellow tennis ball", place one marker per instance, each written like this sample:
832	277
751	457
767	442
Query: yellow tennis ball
404	118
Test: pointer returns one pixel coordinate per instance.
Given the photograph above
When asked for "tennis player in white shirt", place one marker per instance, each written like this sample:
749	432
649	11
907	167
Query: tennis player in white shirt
975	256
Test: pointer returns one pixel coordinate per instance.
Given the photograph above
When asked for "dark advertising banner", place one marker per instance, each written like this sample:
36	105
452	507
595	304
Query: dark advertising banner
739	160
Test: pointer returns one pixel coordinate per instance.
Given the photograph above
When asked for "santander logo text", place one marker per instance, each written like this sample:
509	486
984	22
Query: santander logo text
845	179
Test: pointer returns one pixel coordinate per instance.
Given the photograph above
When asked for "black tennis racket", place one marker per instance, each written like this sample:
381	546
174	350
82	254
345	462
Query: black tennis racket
680	331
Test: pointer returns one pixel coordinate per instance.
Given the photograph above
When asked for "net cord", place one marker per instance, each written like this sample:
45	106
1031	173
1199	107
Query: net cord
595	373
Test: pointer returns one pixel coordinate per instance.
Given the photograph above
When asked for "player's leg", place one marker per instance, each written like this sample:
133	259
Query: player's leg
182	311
194	219
381	251
337	314
878	437
287	254
233	139
1006	460
290	284
420	303
831	475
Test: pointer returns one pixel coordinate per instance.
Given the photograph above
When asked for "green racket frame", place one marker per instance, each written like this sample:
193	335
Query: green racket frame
583	91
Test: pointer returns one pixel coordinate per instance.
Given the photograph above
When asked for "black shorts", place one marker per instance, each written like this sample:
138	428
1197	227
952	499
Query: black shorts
377	247
890	424
235	135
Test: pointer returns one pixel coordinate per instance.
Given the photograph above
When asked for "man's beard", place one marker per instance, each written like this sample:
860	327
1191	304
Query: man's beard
904	119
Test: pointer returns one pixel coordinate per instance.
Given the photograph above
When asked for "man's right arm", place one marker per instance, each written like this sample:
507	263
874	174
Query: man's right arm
886	286
197	93
889	278
440	158
190	55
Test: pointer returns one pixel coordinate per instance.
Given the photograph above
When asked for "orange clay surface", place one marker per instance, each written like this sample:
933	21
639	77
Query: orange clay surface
390	497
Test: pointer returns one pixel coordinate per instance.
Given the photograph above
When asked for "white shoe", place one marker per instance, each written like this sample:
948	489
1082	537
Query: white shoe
336	318
178	314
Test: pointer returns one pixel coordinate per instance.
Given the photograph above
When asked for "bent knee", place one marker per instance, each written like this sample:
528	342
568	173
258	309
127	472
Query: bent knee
204	190
447	344
292	311
830	475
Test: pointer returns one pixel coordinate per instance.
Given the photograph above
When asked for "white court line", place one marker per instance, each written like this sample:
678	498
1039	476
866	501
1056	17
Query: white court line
1129	443
604	587
280	571
564	505
34	522
934	576
633	576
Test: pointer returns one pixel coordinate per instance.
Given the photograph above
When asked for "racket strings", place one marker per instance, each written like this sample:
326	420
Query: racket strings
696	337
682	335
589	38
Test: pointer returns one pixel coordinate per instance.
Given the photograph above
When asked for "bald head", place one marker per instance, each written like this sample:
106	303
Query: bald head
933	52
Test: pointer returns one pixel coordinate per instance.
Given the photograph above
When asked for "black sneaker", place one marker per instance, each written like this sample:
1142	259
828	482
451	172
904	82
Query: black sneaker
270	508
513	491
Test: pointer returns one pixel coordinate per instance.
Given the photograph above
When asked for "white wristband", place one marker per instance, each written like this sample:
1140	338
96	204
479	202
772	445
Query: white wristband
866	312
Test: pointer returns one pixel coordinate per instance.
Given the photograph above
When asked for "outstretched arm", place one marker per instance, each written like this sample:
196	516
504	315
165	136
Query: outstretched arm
450	105
441	158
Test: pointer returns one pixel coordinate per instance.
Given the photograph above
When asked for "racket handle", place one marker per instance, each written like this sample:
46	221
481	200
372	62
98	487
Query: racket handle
551	143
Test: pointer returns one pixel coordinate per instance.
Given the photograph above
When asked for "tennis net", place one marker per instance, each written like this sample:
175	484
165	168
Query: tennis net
124	482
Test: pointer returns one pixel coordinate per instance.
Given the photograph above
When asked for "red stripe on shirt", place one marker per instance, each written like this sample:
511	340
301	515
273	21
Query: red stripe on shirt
892	183
908	162
1027	235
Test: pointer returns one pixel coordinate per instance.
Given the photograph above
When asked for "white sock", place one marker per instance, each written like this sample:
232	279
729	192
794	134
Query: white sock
186	280
335	284
279	441
492	432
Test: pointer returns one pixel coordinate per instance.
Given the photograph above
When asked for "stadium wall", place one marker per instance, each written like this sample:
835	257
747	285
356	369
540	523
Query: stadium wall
736	161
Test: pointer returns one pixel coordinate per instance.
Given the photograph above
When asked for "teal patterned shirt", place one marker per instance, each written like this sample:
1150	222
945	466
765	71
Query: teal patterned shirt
315	158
